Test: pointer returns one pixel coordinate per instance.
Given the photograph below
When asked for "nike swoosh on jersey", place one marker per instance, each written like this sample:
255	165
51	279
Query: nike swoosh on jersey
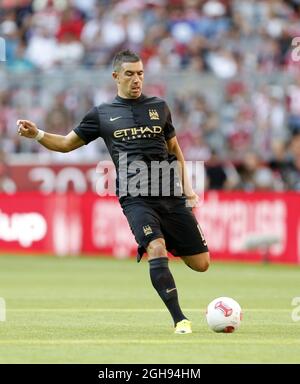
114	118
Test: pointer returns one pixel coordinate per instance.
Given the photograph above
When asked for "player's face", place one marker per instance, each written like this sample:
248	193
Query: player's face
130	80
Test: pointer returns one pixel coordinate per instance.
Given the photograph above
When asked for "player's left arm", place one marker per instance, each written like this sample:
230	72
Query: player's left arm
174	148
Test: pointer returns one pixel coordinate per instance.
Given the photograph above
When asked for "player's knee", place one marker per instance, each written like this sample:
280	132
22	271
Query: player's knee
200	263
204	266
205	261
200	267
156	248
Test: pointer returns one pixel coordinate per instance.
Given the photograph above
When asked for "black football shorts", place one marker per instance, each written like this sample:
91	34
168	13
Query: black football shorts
152	217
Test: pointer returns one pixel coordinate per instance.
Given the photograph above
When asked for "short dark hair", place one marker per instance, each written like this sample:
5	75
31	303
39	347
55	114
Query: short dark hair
125	56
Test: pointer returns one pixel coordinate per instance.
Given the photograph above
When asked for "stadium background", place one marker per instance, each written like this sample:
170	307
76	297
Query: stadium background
227	71
231	74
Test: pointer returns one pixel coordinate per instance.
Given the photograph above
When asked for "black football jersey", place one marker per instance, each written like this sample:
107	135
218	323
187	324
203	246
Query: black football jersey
135	132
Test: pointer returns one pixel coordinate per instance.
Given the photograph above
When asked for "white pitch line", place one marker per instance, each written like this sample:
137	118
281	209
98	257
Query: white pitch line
126	310
177	340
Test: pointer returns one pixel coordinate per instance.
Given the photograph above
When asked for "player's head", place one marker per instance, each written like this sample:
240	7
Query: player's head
128	73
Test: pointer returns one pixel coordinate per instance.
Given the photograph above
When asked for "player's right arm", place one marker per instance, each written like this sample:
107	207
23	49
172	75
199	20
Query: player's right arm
51	141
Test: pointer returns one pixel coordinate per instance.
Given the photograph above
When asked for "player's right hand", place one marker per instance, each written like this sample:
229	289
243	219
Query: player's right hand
27	129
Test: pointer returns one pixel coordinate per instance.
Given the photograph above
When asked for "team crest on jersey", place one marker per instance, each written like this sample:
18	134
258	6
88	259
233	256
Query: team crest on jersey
147	230
153	114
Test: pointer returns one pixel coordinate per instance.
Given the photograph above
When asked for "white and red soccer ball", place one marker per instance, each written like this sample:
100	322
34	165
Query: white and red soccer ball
224	315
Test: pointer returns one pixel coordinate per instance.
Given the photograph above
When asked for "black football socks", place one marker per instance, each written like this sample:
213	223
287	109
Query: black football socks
163	281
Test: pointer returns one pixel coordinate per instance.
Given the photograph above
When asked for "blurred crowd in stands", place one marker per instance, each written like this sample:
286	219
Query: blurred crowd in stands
251	140
221	36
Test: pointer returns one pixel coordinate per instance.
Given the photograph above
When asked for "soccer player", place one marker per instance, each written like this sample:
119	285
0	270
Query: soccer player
138	131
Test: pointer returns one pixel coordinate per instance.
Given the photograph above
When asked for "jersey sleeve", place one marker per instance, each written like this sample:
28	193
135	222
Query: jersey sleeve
169	130
89	127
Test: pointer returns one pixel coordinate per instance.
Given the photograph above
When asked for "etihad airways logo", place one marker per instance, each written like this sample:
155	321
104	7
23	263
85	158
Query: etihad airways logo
137	132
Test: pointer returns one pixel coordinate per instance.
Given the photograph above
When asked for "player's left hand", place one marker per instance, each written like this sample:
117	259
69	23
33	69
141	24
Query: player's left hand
192	200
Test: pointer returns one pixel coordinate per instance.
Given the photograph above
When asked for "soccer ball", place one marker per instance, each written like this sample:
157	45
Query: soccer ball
224	315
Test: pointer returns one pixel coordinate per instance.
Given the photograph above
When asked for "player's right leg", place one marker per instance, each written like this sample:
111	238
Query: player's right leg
163	282
145	224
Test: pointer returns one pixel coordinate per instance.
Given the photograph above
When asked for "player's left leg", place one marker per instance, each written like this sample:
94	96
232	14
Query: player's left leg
198	262
184	237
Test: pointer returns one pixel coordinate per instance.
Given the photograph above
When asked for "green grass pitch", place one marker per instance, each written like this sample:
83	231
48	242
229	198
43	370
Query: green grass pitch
101	310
